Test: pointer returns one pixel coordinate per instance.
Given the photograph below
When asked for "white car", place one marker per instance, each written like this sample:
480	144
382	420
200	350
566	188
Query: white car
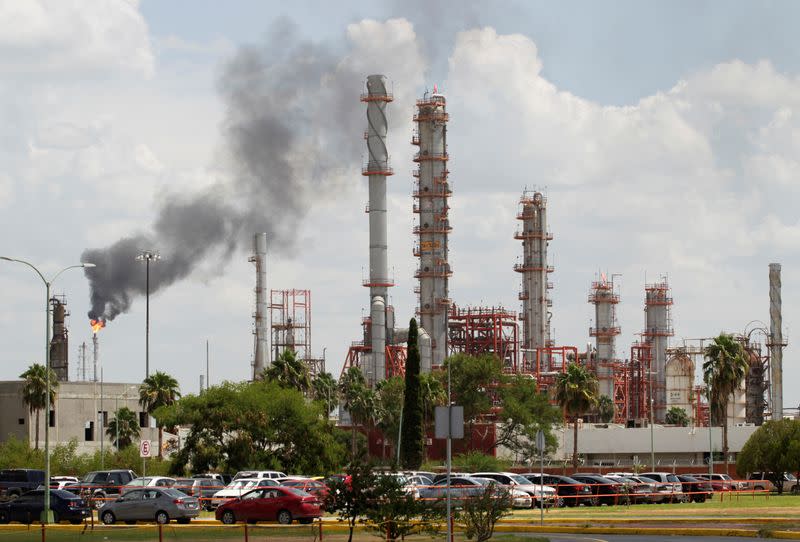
273	474
519	498
239	487
537	492
58	482
147	481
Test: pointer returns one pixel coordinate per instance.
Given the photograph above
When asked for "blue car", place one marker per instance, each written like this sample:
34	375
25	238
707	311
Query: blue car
28	508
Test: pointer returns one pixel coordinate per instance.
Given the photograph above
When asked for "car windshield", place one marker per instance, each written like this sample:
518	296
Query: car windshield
566	480
789	476
646	480
520	479
725	477
298	492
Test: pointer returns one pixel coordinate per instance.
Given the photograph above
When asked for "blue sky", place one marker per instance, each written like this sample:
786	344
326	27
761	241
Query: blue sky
666	135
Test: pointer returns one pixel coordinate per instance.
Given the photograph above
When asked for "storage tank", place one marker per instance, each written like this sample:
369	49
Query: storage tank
679	381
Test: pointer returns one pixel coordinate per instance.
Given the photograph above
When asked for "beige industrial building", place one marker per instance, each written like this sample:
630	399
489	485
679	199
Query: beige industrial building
81	412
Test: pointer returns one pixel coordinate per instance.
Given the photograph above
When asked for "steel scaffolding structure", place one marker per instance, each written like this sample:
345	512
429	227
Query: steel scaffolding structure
605	299
290	314
485	330
658	330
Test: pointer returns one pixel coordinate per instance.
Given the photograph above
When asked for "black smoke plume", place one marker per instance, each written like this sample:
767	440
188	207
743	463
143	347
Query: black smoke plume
291	126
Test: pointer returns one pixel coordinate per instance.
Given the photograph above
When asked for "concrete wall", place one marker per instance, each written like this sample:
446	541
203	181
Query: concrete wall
76	404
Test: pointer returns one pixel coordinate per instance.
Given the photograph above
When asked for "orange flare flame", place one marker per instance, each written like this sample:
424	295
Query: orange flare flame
97	325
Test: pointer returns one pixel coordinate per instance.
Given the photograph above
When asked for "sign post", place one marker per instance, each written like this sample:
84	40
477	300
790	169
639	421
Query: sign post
144	452
449	422
540	446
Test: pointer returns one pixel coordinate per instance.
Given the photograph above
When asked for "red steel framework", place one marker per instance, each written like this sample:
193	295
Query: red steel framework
290	314
639	381
485	330
545	363
395	353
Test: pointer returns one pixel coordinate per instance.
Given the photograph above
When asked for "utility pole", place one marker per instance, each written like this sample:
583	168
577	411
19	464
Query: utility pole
147	256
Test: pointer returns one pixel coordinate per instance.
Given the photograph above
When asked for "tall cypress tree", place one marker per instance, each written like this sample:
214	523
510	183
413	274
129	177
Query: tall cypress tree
411	445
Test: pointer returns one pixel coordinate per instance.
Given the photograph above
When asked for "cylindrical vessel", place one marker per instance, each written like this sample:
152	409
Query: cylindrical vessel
776	341
261	331
378	337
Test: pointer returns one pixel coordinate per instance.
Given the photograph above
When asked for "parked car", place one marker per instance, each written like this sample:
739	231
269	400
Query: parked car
202	488
29	507
605	491
101	485
722	482
443	476
58	482
15	482
273	474
281	504
519	498
633	491
461	487
427	474
159	504
148	481
224	479
669	485
542	496
762	481
239	487
696	489
570	491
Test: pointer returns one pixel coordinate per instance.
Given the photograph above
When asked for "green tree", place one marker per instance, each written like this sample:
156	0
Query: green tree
254	425
432	394
605	408
774	448
723	371
34	392
524	412
158	390
472	380
576	392
324	390
481	513
677	416
351	497
412	443
388	406
289	372
123	428
357	399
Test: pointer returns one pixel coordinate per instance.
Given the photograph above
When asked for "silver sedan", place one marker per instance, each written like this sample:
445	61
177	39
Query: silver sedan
151	504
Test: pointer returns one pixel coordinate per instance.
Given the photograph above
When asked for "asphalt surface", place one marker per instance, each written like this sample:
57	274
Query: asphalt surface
562	537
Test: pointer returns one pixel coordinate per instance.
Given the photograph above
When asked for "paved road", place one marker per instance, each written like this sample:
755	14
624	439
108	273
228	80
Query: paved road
562	537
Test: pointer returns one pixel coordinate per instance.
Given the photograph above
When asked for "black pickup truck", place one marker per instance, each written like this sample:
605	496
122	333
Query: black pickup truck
99	486
15	482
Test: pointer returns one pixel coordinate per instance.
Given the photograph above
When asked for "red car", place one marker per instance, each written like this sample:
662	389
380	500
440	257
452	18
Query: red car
274	503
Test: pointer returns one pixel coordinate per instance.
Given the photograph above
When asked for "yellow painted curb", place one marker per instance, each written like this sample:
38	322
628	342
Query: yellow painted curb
699	519
678	531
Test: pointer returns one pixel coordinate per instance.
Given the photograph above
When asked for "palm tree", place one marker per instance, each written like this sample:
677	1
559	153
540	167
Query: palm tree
431	394
576	392
159	389
605	408
323	389
34	392
357	398
123	428
723	371
289	372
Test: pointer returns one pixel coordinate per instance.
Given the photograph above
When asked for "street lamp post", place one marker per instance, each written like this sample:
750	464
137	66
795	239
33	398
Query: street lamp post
47	514
147	256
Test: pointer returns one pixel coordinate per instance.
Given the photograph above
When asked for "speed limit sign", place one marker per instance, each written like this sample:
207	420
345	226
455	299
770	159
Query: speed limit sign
144	448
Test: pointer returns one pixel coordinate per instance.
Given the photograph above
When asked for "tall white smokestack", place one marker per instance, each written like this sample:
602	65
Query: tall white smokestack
259	258
377	169
776	343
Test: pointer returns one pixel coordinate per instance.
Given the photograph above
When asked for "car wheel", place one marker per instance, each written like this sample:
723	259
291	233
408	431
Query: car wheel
701	498
594	501
108	518
98	500
560	503
183	521
162	517
228	518
759	488
285	517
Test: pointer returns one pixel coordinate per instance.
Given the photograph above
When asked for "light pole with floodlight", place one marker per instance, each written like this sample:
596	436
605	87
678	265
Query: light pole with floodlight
47	514
147	256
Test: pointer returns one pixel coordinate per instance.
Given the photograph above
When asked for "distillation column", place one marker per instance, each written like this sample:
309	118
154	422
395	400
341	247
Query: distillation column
377	169
431	192
776	342
59	343
261	329
658	330
534	269
605	299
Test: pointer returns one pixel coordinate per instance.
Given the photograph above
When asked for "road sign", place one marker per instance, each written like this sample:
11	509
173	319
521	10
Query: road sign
540	440
452	425
144	448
